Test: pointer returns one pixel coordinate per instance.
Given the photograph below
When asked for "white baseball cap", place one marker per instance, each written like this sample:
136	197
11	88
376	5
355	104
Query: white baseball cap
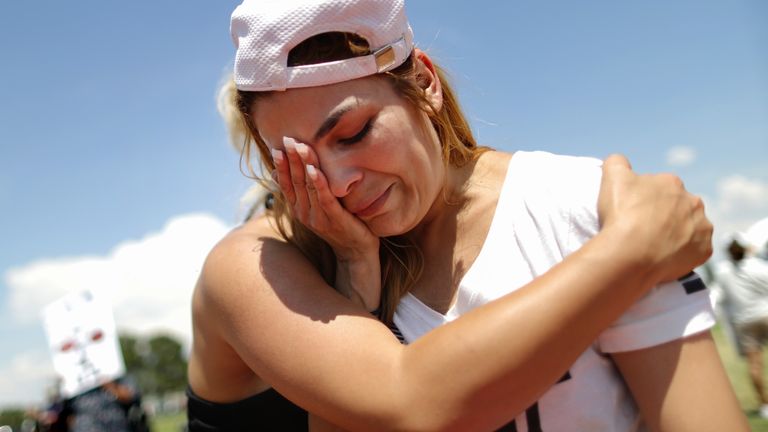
264	31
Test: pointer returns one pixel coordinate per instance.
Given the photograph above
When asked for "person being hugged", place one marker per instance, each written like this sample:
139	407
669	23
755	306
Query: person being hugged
526	288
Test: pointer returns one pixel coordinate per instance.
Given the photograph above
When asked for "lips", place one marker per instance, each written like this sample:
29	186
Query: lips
375	205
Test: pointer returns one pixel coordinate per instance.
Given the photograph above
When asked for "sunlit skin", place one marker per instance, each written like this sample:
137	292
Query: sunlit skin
356	162
360	156
379	159
378	171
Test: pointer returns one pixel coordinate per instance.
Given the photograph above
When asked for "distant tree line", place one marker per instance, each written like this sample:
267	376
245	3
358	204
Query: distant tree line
156	363
12	417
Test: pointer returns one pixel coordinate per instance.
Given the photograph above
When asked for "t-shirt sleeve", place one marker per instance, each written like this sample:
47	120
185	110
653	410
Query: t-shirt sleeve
669	311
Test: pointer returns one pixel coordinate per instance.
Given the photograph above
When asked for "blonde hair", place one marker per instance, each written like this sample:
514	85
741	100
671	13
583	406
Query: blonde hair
401	259
226	105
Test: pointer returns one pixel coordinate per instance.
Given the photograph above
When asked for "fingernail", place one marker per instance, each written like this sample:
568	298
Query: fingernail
289	142
312	172
277	156
302	150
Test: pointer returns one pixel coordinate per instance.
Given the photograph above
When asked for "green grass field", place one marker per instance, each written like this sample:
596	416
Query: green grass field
169	423
734	365
736	368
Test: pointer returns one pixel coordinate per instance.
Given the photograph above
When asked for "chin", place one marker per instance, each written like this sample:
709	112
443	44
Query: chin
387	227
385	231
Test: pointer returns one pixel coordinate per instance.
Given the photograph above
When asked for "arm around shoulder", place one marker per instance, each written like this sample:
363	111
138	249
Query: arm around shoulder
331	357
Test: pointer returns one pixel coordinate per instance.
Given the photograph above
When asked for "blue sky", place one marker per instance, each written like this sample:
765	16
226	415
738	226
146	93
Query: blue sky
115	170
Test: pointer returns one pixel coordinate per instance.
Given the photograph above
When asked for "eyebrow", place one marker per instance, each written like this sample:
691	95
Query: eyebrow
332	121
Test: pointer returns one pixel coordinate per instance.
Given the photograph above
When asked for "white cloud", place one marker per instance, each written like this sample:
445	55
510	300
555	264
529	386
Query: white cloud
681	156
739	194
739	203
150	280
24	379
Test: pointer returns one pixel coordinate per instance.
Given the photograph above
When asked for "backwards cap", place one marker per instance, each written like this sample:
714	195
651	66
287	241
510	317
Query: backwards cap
264	31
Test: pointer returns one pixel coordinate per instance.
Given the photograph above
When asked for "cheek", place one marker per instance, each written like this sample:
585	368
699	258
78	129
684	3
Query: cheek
404	145
385	151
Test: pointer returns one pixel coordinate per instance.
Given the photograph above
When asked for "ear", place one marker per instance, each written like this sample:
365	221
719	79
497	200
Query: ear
428	79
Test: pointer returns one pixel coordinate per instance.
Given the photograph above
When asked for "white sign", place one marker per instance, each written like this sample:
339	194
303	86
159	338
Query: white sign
83	341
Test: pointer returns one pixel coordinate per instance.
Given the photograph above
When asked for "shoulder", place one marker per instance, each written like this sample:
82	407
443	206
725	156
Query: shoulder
555	168
566	185
554	182
560	192
237	250
234	270
255	272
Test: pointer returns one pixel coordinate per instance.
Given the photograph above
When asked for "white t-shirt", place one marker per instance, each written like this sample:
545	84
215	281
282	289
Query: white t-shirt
745	289
547	209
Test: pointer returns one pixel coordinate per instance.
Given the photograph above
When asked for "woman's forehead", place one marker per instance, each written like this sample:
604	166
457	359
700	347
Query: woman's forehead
325	97
303	111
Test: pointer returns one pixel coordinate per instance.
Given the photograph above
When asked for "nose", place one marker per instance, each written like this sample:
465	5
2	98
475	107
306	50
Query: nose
342	174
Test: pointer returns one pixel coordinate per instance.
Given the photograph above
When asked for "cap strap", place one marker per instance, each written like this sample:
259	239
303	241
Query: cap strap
382	60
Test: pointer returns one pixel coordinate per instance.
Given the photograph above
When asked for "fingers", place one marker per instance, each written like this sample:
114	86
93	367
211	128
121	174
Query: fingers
703	227
617	166
312	202
297	177
617	171
617	161
322	198
663	219
305	186
312	180
282	175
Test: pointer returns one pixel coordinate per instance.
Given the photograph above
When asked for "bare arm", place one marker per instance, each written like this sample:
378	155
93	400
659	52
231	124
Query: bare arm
332	358
682	386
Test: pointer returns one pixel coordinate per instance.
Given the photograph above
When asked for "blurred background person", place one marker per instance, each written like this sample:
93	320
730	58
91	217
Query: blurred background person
744	284
104	408
55	416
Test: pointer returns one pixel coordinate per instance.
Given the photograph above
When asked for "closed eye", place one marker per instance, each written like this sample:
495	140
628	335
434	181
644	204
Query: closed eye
358	136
